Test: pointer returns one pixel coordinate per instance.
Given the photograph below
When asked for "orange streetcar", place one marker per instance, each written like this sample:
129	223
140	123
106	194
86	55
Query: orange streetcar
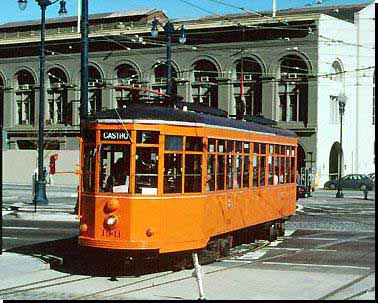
162	180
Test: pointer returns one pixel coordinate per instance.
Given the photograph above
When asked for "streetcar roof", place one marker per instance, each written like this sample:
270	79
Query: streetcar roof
164	114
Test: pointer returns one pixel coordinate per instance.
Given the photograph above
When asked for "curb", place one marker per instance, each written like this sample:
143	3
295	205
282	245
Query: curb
60	217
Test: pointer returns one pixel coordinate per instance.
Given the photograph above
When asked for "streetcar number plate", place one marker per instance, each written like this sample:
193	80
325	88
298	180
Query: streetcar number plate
111	233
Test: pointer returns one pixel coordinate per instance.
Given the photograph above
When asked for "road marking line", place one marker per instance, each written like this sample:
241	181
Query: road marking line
316	265
237	261
10	238
285	248
320	239
13	227
289	232
323	250
275	243
7	212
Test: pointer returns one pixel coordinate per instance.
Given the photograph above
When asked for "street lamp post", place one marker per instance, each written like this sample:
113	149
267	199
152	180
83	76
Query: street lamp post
40	185
342	101
169	29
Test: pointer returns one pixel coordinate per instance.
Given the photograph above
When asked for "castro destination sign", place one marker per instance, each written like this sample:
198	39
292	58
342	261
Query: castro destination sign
115	135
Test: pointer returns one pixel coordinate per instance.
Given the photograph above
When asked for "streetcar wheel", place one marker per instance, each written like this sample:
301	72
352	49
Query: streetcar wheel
281	231
270	233
225	248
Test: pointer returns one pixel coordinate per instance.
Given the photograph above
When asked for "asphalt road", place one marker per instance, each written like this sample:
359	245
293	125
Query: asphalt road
328	252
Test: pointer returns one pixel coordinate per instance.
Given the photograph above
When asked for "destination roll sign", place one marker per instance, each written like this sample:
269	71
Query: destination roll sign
115	135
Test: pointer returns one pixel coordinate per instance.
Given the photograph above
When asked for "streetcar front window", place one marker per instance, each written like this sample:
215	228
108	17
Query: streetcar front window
114	168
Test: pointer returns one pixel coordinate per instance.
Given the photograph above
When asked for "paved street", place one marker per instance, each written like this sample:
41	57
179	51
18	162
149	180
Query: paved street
328	252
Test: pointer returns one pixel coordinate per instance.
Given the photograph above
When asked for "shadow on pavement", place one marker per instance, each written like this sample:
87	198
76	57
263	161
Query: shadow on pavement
68	257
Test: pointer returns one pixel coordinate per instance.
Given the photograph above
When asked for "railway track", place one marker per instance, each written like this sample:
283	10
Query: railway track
238	252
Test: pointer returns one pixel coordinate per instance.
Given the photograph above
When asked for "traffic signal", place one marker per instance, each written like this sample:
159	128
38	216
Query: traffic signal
52	165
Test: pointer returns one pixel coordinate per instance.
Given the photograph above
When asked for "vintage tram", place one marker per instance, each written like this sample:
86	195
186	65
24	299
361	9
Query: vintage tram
159	180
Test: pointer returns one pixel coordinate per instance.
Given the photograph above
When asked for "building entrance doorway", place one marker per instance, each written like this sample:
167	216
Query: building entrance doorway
334	157
301	158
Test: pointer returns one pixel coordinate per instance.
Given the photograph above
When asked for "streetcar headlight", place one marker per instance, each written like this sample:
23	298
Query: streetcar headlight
111	205
111	221
83	227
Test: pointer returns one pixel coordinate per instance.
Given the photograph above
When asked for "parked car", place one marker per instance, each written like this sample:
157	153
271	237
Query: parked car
372	176
302	191
359	182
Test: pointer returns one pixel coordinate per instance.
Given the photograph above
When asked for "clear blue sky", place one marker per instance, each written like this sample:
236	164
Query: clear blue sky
174	8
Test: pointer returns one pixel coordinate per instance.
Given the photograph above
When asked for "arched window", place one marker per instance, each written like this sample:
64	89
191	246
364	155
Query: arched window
336	72
94	90
160	78
25	98
293	90
248	86
126	75
204	87
59	111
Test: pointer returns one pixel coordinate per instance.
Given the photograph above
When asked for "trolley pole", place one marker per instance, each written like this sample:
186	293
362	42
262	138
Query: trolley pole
197	275
84	65
1	176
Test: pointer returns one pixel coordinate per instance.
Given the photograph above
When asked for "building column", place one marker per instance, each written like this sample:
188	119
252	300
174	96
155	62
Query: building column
184	89
8	108
108	101
269	102
312	109
74	102
226	100
36	107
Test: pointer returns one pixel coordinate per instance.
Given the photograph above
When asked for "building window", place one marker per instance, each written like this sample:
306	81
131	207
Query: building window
94	90
333	109
248	86
25	98
293	90
160	79
25	107
336	72
126	76
58	107
204	86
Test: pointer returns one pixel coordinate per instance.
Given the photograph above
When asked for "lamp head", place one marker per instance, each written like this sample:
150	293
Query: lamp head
182	38
154	29
62	11
22	4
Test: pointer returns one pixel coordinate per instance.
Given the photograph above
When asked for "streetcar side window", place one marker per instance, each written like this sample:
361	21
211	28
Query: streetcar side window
147	137
210	182
146	170
172	173
246	171
262	169
220	172
114	168
89	168
193	173
256	160
238	171
229	171
173	143
194	144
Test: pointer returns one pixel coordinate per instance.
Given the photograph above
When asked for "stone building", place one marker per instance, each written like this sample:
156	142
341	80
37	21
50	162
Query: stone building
290	68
